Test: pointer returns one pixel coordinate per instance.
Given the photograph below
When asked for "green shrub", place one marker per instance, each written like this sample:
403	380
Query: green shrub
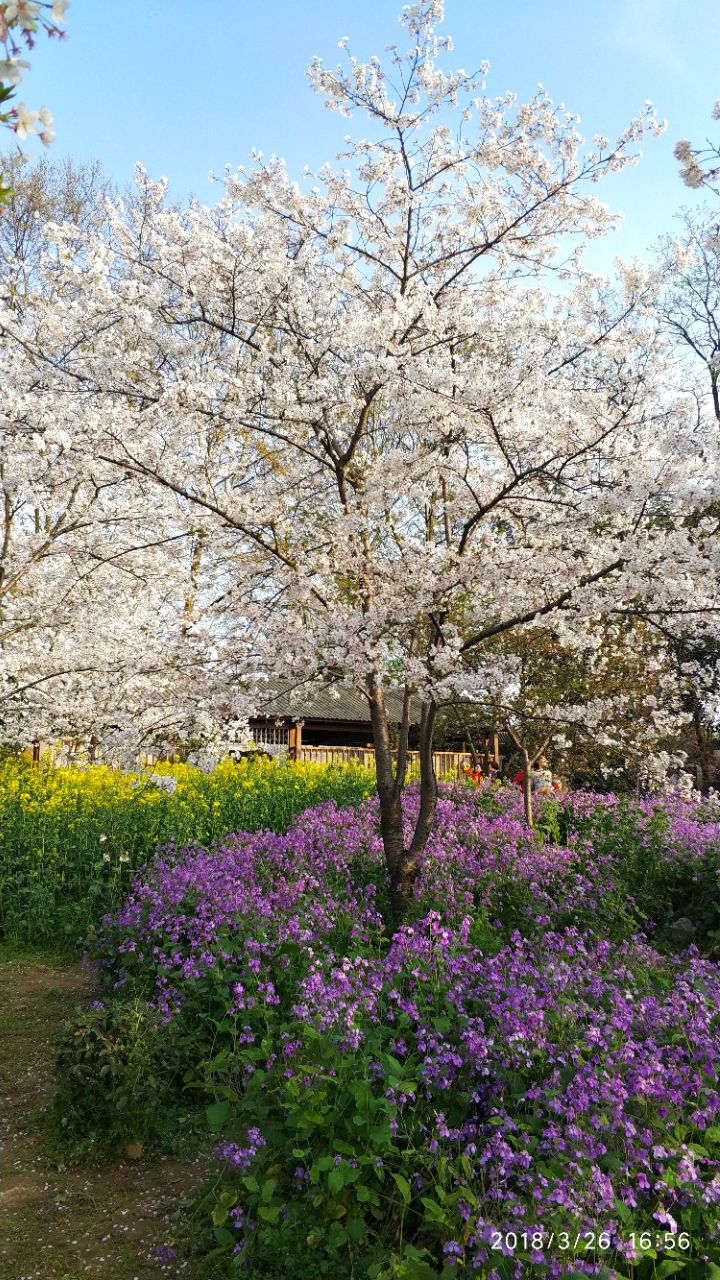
119	1075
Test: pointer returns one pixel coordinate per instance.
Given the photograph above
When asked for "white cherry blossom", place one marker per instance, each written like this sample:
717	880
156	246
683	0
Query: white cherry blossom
348	434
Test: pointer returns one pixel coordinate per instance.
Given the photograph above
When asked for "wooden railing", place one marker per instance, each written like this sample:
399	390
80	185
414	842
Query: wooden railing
447	763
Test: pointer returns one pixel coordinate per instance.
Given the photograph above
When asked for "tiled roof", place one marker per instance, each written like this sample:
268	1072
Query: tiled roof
333	702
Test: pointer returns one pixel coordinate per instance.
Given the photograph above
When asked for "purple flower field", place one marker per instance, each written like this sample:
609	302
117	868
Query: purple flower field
521	1081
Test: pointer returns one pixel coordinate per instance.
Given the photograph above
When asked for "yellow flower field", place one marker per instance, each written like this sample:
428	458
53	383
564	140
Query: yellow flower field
70	838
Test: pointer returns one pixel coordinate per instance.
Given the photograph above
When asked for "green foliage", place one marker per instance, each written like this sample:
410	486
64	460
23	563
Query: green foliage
652	888
118	1071
380	1202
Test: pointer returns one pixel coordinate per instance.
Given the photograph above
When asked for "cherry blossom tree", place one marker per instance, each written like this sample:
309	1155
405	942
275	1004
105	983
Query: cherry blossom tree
396	442
43	191
74	534
688	305
91	596
100	632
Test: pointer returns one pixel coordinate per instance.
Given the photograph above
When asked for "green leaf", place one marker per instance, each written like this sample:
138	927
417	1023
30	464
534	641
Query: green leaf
223	1236
433	1208
336	1181
251	1184
290	948
420	1270
622	1211
267	1191
269	1213
611	1164
380	1136
409	1251
356	1229
337	1236
362	1192
669	1268
464	1193
392	1064
217	1114
361	1091
403	1186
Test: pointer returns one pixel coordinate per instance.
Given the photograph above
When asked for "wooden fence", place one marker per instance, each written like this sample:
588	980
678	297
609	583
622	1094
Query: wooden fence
447	763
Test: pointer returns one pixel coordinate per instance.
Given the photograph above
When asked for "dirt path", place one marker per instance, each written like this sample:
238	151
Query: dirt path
103	1223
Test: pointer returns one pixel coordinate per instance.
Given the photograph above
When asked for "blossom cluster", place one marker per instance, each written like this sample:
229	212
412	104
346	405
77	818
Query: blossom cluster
22	19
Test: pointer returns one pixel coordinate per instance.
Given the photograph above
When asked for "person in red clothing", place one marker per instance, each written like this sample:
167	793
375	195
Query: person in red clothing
473	774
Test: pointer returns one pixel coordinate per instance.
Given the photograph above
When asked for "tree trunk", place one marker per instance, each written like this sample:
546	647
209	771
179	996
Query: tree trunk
528	762
527	788
389	797
402	862
704	752
428	788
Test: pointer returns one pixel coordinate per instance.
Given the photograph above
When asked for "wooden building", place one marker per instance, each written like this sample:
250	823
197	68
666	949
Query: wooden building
333	716
334	723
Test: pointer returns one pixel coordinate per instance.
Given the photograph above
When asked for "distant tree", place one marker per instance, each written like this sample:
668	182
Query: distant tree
688	304
689	299
594	708
43	191
75	655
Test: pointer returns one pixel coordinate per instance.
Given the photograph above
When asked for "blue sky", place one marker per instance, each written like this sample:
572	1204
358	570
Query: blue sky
185	87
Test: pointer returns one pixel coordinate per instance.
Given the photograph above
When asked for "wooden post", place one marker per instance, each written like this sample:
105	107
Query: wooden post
295	740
